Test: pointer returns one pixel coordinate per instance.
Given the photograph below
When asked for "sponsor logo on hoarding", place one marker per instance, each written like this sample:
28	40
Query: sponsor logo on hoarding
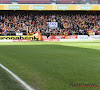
6	40
17	37
83	37
30	7
39	7
62	7
78	7
95	36
70	37
15	7
86	7
21	40
62	37
51	39
5	7
55	7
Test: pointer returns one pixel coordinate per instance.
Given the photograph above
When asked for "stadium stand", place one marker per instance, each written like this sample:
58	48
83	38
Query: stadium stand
78	23
50	1
34	2
67	1
99	2
5	1
93	1
77	1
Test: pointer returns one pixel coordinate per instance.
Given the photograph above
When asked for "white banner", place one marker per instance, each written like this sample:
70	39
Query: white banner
83	37
95	36
19	34
6	40
53	24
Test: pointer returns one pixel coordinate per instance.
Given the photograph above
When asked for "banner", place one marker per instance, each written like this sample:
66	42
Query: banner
95	36
59	37
70	37
68	40
53	24
83	36
50	7
6	40
51	39
17	37
21	40
19	34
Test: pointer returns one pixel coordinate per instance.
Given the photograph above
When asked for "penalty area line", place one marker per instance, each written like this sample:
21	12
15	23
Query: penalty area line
17	78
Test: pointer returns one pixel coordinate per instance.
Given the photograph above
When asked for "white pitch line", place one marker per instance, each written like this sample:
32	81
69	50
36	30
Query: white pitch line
17	78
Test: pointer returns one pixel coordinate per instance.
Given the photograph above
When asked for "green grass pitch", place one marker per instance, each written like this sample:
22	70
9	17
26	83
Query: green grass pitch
51	65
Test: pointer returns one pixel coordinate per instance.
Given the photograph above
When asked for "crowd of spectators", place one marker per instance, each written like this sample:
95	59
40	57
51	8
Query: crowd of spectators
69	23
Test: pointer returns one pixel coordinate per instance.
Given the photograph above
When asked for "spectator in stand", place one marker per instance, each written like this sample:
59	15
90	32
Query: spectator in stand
68	23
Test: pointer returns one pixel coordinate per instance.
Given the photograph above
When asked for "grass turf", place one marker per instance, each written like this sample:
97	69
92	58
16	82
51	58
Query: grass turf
7	82
53	65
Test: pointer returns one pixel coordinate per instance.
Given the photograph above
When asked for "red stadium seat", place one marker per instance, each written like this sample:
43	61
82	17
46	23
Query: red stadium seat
5	1
66	1
93	1
34	2
76	2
